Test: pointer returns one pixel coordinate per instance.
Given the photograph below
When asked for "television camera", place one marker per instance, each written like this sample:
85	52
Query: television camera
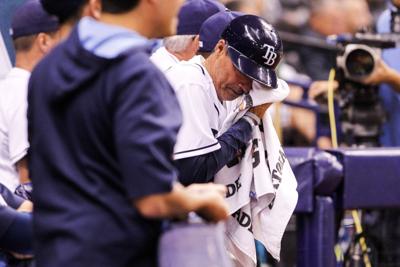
361	112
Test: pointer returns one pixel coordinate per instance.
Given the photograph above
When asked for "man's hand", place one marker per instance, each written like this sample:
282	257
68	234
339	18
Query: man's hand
213	207
207	200
319	89
260	110
384	74
21	256
26	206
381	74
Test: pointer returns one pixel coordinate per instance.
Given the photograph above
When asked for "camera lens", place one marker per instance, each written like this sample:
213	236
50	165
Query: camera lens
359	62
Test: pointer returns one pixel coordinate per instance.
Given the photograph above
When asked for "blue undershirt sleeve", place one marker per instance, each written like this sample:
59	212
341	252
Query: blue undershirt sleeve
11	199
202	169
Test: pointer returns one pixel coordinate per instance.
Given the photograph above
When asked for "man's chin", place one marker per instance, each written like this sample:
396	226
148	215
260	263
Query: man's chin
231	97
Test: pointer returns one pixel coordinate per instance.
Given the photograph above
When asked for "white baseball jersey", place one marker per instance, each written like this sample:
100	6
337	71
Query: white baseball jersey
5	63
163	59
13	125
203	113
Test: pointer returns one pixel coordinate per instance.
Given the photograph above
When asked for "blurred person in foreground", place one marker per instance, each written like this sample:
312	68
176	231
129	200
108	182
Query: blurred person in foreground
34	34
103	121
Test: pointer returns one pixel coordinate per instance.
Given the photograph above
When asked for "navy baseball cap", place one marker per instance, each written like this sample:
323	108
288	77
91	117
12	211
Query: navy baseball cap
255	48
194	12
213	27
30	18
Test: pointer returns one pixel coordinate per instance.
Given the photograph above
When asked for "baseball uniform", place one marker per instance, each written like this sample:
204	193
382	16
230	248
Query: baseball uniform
13	125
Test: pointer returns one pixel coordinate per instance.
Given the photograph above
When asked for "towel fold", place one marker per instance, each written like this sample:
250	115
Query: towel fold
261	186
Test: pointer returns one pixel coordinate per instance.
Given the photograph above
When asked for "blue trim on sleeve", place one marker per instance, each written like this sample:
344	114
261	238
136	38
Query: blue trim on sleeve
202	169
192	150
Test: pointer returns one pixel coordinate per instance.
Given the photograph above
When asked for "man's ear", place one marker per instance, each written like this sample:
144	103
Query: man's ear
196	39
92	9
196	43
220	46
44	42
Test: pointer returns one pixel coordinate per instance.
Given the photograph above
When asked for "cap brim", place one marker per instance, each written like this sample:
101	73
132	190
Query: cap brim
253	70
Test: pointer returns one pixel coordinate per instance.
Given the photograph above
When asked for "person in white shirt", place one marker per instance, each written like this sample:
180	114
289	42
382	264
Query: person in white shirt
34	33
203	87
184	45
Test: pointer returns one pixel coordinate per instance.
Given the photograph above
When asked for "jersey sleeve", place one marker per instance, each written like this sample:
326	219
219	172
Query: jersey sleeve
196	136
17	126
7	216
146	121
10	198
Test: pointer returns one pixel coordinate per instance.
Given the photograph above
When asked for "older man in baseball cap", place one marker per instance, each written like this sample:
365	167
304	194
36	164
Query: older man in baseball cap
34	33
254	55
184	45
241	49
212	29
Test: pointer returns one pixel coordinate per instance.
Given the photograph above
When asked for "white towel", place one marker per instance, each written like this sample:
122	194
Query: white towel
3	203
261	188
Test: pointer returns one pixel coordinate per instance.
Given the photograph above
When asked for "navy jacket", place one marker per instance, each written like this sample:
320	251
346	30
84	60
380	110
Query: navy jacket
102	133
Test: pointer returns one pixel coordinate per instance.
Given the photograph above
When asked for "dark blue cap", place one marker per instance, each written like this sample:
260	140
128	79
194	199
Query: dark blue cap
213	27
194	12
30	18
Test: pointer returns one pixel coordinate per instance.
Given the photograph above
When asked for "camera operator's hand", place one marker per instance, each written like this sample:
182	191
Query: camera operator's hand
380	75
319	89
384	74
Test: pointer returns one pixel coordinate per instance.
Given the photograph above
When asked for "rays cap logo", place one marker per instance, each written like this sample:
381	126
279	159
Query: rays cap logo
270	55
255	48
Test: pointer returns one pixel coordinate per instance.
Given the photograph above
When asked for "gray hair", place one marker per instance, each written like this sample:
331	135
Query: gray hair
178	43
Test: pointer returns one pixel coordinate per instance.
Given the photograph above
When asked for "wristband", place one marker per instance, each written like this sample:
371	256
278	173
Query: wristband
253	116
253	123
